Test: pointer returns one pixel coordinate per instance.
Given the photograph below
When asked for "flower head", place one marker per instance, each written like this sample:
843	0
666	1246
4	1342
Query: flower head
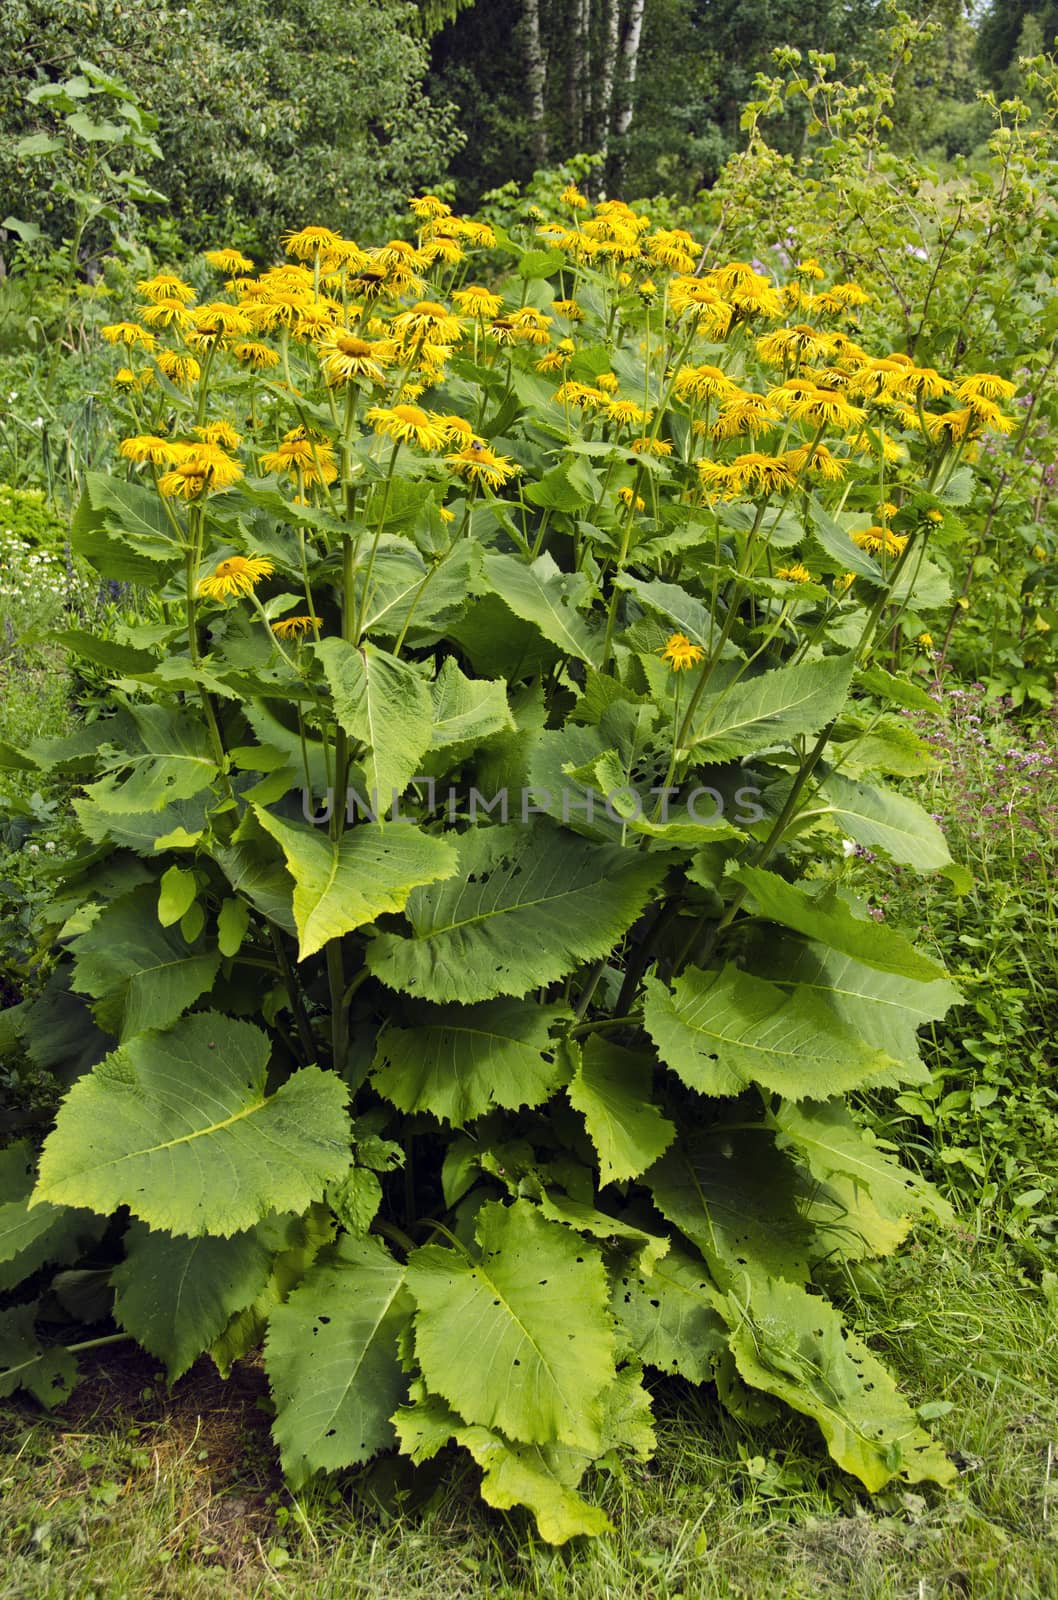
407	425
238	575
478	464
680	653
293	627
230	261
345	355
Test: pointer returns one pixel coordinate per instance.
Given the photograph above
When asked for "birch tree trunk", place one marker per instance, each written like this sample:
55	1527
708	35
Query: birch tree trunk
624	97
578	105
536	78
611	33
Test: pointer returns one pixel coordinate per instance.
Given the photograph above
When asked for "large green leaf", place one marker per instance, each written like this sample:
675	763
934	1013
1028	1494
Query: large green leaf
519	1339
722	1031
341	885
670	1318
139	974
176	1295
29	1238
175	762
828	919
384	705
826	1138
458	1061
792	1344
527	905
48	1373
467	712
548	598
778	706
180	1128
880	819
584	1218
333	1360
611	1089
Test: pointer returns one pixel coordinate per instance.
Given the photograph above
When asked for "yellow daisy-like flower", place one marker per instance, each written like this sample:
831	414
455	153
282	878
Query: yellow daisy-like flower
572	393
177	367
442	247
818	462
253	354
826	407
717	479
703	383
673	247
446	515
298	454
428	319
746	413
166	313
305	243
229	261
476	463
166	286
810	268
345	355
151	447
238	575
798	573
220	432
789	346
200	469
925	640
130	334
625	412
714	313
633	501
843	584
608	382
982	386
680	653
762	473
554	360
651	447
214	322
572	197
880	541
568	309
474	301
407	425
294	627
429	207
457	429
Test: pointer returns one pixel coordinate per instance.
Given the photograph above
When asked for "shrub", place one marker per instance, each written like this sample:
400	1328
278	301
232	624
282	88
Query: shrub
612	541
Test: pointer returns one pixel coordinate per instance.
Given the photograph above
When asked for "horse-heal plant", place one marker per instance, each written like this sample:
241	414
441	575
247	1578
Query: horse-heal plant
474	1112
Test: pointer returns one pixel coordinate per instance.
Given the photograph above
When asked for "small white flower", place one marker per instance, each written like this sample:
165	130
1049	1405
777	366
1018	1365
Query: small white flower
50	847
848	848
34	849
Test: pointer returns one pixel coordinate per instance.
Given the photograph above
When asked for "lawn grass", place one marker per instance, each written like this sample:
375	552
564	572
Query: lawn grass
132	1491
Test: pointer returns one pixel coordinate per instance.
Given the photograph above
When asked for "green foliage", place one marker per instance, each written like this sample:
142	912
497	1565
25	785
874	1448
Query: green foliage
416	1013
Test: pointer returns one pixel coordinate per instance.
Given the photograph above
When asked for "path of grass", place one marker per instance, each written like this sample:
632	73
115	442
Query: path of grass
135	1493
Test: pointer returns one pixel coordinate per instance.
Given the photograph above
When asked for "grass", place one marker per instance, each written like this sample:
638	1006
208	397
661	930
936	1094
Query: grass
133	1491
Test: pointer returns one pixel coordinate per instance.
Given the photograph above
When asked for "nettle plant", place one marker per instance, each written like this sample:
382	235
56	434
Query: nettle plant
452	995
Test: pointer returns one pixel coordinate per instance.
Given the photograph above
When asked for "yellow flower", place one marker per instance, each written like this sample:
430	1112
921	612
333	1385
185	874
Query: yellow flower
230	261
651	447
878	541
819	462
673	247
530	325
1039	552
309	242
746	413
717	478
165	312
200	469
572	393
788	346
442	247
632	500
843	584
810	268
624	412
220	432
714	313
925	640
826	407
166	286
680	653
215	321
150	447
608	382
457	429
568	309
177	367
478	464
935	516
446	515
553	360
128	333
407	425
238	575
798	573
762	473
571	196
429	207
474	301
298	453
428	319
125	378
982	386
255	355
703	383
292	627
344	355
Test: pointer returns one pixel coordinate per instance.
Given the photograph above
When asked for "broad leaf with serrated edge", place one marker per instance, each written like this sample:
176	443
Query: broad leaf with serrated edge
138	974
880	819
458	1061
384	704
180	1128
829	920
721	1031
670	1318
467	712
175	762
541	1351
333	1363
772	709
342	884
611	1089
177	1295
792	1344
48	1373
29	1238
548	598
583	1218
527	905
